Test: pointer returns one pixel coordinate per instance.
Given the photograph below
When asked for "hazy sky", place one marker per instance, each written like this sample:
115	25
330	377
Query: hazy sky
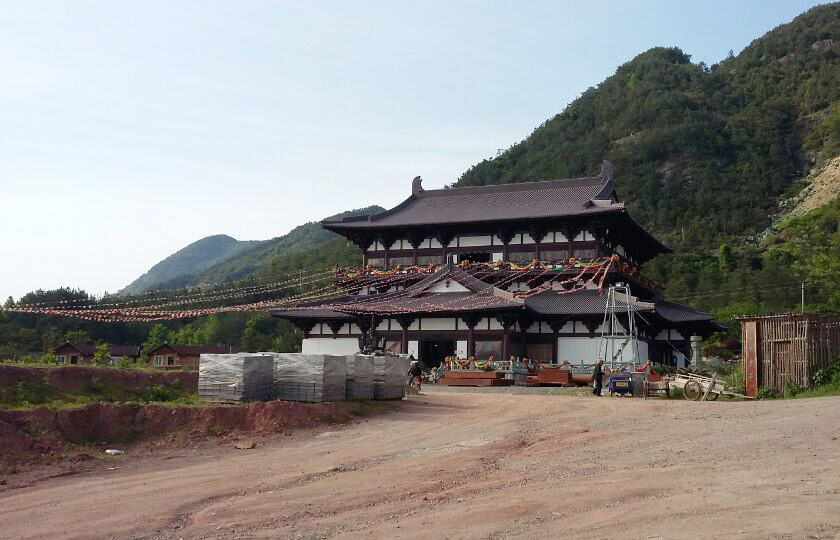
130	129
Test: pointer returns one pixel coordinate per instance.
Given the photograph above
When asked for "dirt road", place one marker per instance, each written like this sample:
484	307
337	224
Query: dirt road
451	465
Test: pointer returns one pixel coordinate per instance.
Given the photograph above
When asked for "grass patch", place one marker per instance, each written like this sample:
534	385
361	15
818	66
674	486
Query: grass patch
825	390
28	395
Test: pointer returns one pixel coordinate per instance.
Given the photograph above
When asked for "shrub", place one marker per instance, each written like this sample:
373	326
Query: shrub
96	385
768	393
33	393
160	393
792	388
828	375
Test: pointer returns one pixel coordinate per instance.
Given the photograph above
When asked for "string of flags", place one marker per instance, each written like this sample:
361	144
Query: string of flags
331	287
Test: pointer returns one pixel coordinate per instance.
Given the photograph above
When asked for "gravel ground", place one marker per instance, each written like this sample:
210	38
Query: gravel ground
479	465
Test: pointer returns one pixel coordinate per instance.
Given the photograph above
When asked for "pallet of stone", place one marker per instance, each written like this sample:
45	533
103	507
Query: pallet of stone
234	378
359	377
309	377
232	393
464	374
390	375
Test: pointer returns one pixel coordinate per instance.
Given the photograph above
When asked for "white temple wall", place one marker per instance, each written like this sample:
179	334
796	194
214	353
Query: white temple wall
337	346
438	324
445	287
672	335
473	241
577	350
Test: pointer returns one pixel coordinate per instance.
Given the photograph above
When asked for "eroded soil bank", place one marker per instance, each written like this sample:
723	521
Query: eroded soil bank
62	439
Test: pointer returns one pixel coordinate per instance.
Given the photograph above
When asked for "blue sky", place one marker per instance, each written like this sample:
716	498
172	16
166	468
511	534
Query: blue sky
130	129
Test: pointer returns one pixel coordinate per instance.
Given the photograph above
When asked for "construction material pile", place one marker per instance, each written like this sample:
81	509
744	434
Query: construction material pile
309	377
475	378
390	374
234	378
359	377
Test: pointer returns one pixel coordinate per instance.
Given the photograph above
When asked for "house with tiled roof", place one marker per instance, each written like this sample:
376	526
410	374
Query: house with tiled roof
81	354
169	356
510	270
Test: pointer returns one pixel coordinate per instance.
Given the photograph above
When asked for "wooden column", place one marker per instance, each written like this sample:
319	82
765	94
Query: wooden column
404	322
524	324
538	233
471	322
556	325
507	321
505	234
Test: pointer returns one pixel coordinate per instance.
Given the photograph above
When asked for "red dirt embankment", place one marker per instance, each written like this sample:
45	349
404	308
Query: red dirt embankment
40	435
78	378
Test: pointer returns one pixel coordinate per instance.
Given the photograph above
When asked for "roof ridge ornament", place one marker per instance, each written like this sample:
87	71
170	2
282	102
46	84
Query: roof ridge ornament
416	186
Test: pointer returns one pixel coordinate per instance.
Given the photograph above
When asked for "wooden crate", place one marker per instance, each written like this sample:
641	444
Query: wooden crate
473	382
554	376
474	375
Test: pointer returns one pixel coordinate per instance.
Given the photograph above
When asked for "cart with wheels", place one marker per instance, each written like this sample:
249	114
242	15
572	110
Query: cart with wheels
621	385
699	387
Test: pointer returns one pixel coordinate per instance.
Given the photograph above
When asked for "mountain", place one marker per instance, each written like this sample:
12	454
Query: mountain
701	153
195	257
268	257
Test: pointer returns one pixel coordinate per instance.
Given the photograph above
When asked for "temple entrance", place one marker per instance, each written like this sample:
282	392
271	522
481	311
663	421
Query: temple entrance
478	257
433	351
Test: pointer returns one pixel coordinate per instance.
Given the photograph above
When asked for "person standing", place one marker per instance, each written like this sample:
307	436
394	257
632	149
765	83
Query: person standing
415	374
597	377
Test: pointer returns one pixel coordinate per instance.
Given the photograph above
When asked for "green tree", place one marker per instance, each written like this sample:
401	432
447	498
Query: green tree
77	336
158	335
102	355
726	258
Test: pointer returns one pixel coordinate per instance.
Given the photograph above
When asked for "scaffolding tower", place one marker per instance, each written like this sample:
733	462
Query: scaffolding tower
614	336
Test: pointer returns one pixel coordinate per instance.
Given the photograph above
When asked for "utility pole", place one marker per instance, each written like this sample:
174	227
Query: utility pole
803	297
300	281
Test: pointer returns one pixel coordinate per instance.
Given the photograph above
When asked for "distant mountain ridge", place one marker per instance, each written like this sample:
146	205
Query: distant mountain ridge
194	258
221	259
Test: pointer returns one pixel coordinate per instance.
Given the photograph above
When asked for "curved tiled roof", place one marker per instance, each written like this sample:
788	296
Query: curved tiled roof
531	200
581	302
677	313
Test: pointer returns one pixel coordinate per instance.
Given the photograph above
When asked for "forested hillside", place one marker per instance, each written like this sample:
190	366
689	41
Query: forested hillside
701	153
262	258
187	261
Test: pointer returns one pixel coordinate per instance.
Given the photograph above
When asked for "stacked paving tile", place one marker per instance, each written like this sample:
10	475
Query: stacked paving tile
309	377
359	377
390	374
234	378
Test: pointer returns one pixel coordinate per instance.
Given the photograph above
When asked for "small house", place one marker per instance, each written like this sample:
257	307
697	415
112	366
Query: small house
182	356
75	354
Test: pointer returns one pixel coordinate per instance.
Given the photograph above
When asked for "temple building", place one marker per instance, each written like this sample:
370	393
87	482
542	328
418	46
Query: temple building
511	270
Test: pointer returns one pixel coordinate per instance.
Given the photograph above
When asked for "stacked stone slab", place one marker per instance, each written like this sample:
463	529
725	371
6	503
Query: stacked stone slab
390	374
359	377
309	377
234	378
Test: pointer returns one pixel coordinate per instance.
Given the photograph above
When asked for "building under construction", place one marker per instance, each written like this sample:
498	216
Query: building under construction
498	271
